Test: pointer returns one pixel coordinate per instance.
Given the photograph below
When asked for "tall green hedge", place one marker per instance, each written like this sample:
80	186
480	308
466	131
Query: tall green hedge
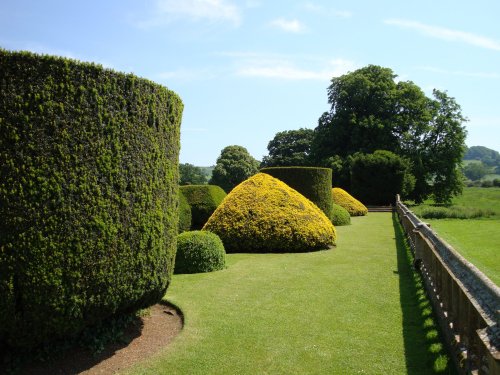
184	213
203	199
88	194
313	183
377	178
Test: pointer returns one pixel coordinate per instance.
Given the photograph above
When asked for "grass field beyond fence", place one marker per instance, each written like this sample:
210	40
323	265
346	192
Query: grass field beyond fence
477	239
356	309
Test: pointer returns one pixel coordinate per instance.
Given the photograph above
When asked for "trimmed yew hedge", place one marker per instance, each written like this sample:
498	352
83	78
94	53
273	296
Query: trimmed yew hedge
203	199
88	195
312	182
184	213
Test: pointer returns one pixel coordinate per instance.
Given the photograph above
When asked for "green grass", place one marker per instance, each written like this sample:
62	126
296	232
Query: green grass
478	240
485	198
356	309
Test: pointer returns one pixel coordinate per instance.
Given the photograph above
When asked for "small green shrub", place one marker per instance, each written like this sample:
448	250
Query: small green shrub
199	251
340	216
454	212
263	214
487	184
203	199
496	182
184	213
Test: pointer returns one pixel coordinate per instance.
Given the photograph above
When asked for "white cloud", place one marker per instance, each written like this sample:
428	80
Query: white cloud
286	69
446	34
266	65
291	26
195	10
488	75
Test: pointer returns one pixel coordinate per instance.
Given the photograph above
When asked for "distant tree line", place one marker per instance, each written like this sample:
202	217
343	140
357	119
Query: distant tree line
481	161
192	175
486	155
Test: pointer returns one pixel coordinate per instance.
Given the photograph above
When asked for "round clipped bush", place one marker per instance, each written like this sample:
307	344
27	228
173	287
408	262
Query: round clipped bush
351	204
203	199
313	183
184	213
88	195
199	251
340	216
263	214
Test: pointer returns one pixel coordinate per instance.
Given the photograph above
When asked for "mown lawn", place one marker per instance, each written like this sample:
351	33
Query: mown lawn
478	240
355	309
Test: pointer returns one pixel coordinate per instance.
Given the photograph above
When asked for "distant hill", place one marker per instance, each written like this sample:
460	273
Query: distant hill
488	156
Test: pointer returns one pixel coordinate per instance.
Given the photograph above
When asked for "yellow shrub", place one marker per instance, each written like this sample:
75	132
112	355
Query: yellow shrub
351	204
263	214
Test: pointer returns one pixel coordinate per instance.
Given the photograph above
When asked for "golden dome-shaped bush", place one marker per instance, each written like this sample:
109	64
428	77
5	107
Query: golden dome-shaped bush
351	204
263	214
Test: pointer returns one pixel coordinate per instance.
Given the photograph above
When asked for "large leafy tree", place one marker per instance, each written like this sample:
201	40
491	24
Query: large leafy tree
371	111
191	175
360	116
234	165
289	148
444	146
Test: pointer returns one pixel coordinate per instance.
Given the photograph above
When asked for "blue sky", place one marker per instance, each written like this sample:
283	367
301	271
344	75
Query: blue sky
247	69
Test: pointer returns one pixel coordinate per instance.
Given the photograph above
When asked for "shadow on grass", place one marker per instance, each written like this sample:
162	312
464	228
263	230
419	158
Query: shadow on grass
425	352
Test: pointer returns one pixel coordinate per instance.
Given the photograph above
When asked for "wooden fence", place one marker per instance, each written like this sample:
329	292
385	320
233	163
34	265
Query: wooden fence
466	301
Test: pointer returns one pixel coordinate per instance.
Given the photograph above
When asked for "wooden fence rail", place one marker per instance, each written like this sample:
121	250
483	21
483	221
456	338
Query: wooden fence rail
466	301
